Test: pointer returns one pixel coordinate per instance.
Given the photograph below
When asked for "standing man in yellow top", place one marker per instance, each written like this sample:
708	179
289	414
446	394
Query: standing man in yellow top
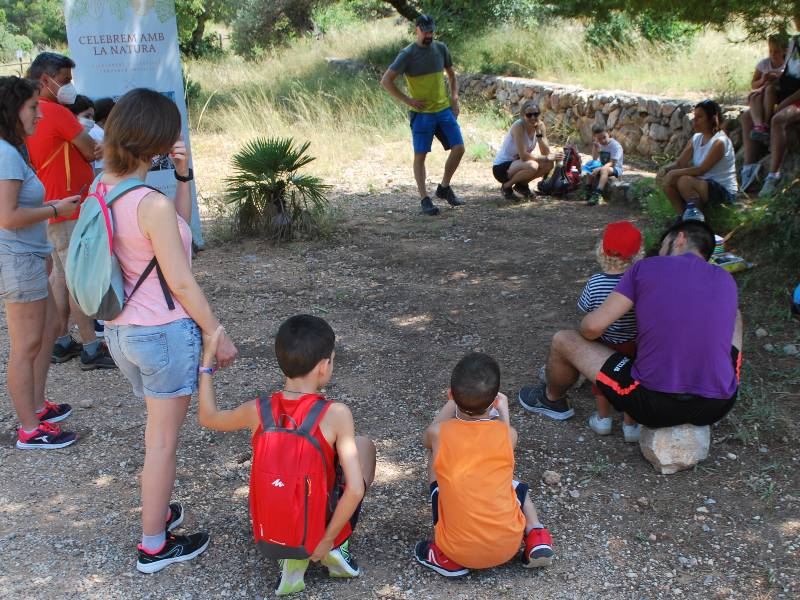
432	111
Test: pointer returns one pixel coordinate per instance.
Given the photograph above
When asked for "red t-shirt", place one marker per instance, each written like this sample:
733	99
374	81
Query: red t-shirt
58	164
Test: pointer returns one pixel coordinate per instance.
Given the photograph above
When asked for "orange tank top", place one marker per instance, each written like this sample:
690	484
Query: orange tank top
480	521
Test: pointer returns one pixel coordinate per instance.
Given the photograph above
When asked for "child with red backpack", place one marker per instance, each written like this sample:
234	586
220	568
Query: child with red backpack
309	471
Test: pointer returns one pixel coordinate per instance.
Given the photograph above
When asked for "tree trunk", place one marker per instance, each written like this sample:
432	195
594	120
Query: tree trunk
199	32
407	10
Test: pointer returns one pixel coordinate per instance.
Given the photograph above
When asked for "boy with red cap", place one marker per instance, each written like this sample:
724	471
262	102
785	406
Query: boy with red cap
619	248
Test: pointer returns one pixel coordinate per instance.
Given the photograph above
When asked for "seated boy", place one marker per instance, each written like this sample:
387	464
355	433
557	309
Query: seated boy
480	513
304	348
608	152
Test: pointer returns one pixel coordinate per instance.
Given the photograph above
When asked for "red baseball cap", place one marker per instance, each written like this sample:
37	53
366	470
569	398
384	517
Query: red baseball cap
622	240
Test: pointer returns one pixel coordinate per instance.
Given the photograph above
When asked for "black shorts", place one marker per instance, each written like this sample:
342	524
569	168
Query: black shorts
500	171
336	495
659	409
717	194
520	489
787	86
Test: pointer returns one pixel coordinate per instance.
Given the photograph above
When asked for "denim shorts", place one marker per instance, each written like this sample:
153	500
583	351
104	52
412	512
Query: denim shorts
442	124
23	278
160	361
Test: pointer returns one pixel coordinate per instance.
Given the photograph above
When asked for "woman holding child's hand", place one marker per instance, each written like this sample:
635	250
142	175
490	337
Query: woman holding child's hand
156	339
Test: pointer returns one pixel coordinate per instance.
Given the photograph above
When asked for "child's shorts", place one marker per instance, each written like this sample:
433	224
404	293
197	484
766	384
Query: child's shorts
591	166
521	489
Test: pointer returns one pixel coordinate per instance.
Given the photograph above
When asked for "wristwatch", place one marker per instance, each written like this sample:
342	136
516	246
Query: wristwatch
189	177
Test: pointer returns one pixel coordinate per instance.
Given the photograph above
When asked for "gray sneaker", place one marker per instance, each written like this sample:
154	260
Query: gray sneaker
750	175
534	399
770	188
631	433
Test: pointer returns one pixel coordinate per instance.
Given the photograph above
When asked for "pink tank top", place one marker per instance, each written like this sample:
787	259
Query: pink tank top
134	251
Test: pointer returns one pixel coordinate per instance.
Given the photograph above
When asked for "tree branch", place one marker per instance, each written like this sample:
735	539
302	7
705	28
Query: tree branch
409	11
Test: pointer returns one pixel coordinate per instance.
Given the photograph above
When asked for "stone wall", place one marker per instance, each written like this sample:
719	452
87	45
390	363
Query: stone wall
646	125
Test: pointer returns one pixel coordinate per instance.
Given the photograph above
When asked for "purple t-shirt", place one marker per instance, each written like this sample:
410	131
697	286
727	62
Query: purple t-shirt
686	312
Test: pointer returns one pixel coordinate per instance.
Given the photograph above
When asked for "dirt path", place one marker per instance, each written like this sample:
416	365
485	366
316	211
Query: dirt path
407	296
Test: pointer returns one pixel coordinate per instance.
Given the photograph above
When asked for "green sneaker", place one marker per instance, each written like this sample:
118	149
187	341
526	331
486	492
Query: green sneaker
292	572
596	199
340	562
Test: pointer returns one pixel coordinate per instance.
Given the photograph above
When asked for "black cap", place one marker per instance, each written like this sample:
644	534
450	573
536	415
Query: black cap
425	23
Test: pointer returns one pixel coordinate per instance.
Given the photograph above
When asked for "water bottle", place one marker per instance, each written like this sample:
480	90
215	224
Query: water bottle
692	213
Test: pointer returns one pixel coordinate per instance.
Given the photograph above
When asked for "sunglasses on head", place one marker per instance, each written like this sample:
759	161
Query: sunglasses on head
531	115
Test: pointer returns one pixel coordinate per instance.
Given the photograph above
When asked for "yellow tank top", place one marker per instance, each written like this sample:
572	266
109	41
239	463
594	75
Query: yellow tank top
480	521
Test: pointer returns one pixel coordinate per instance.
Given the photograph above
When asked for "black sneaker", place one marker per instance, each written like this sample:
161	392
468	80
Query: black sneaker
61	354
428	207
508	193
100	360
175	515
595	199
177	548
534	399
447	193
524	189
46	437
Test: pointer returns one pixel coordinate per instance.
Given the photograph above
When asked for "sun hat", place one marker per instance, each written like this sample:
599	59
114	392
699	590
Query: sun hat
622	240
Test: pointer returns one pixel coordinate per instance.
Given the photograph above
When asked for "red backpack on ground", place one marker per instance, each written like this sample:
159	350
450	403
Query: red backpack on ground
572	167
289	500
564	178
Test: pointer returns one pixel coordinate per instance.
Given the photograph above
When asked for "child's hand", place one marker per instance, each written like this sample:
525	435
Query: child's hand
210	345
322	549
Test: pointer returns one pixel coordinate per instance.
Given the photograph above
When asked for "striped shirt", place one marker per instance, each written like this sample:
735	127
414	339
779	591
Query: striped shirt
594	294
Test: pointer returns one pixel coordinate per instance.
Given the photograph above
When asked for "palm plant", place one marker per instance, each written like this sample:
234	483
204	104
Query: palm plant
269	193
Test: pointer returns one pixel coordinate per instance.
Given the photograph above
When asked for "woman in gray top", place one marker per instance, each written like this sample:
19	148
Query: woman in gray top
24	263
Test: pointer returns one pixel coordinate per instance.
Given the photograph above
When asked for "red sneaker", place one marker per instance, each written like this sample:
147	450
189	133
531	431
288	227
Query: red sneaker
538	549
45	436
53	413
428	554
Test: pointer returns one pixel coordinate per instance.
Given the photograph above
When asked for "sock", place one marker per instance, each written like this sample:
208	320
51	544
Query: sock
64	341
153	543
26	432
169	514
92	347
529	528
775	175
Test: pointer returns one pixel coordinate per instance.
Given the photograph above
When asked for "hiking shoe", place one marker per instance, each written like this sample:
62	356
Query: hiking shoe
447	193
428	207
523	189
340	562
600	425
101	359
750	175
508	193
538	549
770	188
53	413
177	548
292	573
631	433
595	199
428	555
61	354
760	134
175	515
45	436
534	399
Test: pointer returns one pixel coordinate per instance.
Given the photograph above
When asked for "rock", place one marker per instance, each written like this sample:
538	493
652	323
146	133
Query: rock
551	477
86	403
672	449
618	192
676	120
668	108
761	332
643	501
790	350
769	347
652	537
660	133
613	117
574	494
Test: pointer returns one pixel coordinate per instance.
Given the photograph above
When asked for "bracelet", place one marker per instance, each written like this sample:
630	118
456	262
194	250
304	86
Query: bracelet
55	212
207	370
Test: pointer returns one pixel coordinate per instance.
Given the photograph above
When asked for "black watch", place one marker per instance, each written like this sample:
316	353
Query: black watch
189	177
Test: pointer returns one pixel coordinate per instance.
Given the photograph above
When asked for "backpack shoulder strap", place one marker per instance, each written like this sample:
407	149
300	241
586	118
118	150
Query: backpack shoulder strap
125	186
313	417
264	404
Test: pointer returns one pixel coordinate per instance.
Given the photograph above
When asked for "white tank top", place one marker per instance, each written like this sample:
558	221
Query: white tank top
724	171
508	150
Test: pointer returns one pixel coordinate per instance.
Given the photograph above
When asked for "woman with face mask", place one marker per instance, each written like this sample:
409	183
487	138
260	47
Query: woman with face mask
24	254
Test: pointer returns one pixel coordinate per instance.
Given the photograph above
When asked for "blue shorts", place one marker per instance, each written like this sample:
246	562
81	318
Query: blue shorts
717	194
442	124
591	166
160	361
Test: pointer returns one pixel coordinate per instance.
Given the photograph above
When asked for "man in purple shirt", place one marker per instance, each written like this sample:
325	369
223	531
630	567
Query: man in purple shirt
687	364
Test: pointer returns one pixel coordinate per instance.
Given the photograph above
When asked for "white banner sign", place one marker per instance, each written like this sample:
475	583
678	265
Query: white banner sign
119	45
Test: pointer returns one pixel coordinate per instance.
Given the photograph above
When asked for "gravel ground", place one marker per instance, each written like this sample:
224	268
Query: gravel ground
407	296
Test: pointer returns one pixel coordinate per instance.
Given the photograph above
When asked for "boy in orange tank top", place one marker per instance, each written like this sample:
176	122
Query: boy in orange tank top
304	347
480	513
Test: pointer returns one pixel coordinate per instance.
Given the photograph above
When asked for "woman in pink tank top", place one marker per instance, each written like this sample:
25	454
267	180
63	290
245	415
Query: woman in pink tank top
156	339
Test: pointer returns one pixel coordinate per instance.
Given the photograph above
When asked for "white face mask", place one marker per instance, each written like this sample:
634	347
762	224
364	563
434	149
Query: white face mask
88	124
66	93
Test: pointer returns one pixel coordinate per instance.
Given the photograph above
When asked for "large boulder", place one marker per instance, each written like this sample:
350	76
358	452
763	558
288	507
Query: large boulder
673	449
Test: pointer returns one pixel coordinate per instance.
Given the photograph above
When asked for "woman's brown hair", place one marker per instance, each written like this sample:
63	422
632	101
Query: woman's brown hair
14	92
142	124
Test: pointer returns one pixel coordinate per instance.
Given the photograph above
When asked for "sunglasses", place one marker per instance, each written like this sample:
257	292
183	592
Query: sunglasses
531	115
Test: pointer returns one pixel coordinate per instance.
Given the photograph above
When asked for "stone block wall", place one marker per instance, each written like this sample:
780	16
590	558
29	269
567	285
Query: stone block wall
647	125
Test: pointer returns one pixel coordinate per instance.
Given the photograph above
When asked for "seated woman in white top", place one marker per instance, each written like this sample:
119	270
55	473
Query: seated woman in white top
515	164
705	172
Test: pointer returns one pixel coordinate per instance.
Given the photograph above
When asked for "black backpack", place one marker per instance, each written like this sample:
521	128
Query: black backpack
564	178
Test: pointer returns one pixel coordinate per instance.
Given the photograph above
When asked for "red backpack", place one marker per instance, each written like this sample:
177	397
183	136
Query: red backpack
572	167
289	500
564	178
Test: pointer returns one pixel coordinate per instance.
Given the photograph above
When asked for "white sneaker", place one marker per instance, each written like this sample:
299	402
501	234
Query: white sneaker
631	433
770	187
749	175
600	425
